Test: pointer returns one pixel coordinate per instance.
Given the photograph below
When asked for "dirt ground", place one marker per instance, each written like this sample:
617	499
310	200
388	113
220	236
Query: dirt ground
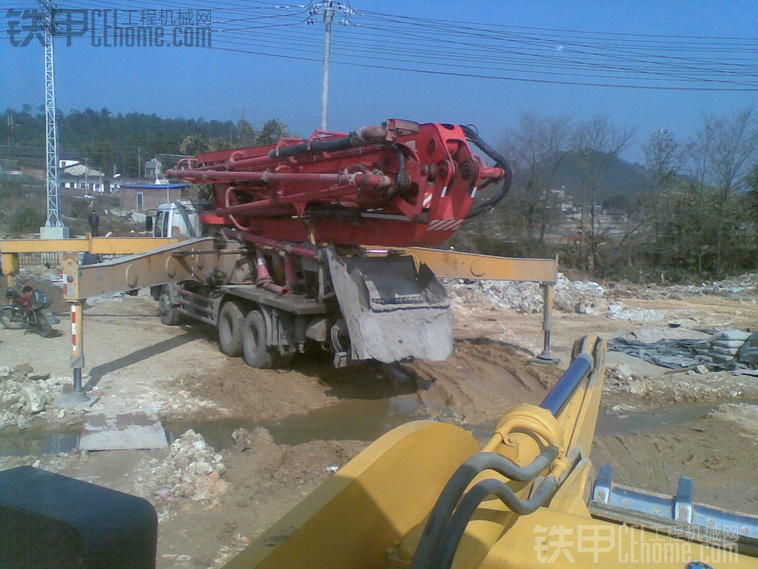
262	440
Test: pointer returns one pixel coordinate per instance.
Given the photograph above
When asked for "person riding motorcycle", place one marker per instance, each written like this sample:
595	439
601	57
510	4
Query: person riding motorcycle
32	299
35	303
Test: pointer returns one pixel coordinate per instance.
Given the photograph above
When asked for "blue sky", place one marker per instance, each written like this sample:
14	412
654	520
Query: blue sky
215	84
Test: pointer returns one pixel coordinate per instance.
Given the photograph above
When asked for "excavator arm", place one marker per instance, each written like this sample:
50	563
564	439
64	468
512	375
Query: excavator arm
426	496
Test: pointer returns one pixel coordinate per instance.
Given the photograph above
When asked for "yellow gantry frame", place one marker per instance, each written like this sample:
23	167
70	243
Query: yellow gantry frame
10	249
455	264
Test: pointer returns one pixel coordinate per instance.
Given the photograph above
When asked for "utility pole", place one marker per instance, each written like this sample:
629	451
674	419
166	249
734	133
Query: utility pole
328	19
54	228
329	8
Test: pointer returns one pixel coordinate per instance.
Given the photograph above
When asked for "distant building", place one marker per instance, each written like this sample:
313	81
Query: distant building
145	197
74	175
155	168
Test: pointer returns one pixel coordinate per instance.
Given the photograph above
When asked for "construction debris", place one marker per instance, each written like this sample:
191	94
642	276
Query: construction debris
580	297
689	386
192	470
25	394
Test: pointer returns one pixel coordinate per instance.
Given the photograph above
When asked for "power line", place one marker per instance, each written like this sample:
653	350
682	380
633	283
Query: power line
484	50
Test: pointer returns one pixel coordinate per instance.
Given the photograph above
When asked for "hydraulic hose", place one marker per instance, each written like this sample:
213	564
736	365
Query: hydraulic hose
500	161
363	135
470	502
438	519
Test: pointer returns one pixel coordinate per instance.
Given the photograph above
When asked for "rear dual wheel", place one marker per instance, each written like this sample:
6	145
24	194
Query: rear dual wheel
255	348
230	321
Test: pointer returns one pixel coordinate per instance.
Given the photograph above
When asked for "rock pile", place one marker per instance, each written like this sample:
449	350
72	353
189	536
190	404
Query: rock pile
743	286
620	378
192	470
581	297
618	311
25	393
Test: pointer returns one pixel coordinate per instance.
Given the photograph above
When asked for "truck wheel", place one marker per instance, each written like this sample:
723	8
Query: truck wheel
230	321
256	352
170	316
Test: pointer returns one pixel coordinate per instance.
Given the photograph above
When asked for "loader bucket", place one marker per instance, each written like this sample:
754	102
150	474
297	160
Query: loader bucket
393	311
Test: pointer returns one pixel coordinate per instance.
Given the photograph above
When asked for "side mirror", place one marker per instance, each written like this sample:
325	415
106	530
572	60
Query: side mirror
149	223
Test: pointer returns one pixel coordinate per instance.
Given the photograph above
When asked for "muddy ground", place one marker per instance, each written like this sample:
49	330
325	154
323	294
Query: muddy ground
250	444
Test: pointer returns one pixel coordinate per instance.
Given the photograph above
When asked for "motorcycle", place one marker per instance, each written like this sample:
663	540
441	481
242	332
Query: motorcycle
32	315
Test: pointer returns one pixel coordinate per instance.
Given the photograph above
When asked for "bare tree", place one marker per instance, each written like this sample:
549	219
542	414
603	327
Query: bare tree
536	149
720	156
597	142
663	158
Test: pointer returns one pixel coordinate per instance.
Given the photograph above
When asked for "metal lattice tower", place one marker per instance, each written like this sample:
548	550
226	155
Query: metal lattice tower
51	130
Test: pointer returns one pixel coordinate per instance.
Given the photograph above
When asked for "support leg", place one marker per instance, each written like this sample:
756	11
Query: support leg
546	357
77	398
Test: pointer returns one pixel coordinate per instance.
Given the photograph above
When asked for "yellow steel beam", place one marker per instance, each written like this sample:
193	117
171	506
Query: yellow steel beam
172	263
96	245
454	264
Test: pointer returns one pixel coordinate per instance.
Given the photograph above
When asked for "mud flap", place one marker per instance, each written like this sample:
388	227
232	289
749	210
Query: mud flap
392	310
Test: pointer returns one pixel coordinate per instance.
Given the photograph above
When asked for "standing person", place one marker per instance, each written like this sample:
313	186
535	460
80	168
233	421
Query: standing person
94	221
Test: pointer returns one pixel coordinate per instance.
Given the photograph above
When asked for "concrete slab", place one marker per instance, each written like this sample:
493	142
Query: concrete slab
122	430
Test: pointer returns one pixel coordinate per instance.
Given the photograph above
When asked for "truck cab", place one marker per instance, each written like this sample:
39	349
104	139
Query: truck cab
180	219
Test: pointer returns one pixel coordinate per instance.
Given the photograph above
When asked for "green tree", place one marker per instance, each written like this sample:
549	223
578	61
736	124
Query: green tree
194	144
245	133
271	132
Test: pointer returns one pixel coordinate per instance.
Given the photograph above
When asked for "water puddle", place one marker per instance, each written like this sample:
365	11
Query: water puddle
639	421
350	419
356	419
35	442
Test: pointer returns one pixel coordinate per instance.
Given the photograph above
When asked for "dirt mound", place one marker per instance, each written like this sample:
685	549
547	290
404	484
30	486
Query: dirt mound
481	381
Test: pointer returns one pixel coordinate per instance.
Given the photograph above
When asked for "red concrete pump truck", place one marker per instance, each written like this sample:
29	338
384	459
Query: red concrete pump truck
314	242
